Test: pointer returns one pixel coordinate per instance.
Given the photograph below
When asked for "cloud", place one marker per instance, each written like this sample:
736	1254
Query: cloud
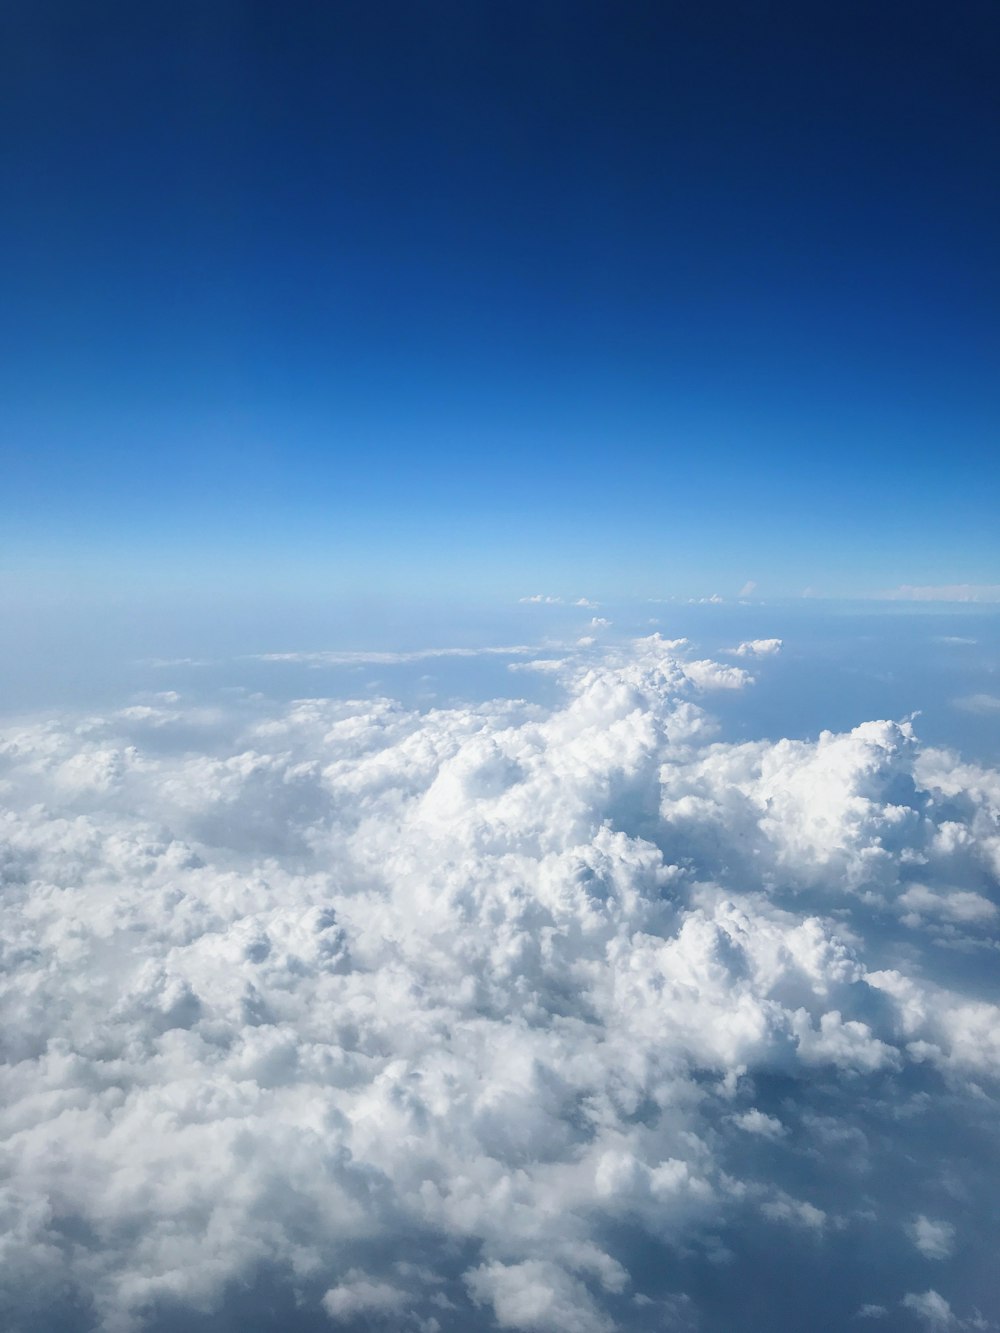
367	656
483	1015
757	648
536	1295
960	906
358	1295
756	1122
544	599
748	588
934	1240
944	592
986	704
931	1309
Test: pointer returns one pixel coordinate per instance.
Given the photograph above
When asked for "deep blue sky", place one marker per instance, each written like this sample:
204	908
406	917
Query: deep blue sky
633	297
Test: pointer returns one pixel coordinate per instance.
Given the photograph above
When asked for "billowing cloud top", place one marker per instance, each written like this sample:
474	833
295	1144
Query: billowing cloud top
502	1015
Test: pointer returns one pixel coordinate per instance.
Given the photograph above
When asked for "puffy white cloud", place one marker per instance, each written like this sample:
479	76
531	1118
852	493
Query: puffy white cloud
756	1122
357	1295
931	1309
934	1240
758	648
536	1295
436	1012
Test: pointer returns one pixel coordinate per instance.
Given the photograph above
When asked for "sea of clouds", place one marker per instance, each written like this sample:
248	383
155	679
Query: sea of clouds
534	1016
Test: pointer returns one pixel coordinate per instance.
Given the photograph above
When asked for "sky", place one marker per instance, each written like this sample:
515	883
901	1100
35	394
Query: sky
454	299
499	668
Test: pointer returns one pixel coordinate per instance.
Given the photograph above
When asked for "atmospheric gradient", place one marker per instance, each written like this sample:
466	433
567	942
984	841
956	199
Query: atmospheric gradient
500	667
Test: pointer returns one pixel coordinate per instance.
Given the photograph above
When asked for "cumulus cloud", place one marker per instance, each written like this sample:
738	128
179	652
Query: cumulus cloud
359	1295
931	1309
465	1018
757	648
756	1122
934	1240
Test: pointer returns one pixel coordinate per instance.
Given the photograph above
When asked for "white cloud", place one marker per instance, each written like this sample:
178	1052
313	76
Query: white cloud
373	657
960	906
794	1212
931	1309
498	985
757	648
544	599
978	703
536	1295
934	1240
358	1295
944	592
756	1122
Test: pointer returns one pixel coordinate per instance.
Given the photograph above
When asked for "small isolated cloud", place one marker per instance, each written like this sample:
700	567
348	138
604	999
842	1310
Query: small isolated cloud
934	1240
756	1122
943	592
548	665
985	704
931	1309
545	599
177	662
757	648
709	675
748	588
871	1311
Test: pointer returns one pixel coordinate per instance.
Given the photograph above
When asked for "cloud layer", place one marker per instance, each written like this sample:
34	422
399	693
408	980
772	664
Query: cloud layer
494	1016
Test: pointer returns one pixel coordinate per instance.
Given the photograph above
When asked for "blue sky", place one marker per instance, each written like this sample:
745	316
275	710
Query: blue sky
471	297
